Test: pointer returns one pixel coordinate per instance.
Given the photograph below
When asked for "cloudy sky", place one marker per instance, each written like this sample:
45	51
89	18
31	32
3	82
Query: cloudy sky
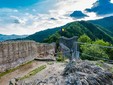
30	16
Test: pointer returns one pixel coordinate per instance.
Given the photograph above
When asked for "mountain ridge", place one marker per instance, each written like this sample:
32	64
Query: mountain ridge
4	37
104	22
79	28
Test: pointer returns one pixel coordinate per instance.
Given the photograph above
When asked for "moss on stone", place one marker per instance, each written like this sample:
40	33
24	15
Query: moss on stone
33	72
13	69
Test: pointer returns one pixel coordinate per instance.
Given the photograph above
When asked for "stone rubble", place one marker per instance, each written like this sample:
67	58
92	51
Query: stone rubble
85	73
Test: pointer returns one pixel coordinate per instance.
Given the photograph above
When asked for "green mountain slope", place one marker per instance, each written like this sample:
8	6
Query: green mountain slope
106	23
40	36
80	28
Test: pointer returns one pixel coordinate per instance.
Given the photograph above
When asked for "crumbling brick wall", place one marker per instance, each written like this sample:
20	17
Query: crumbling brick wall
15	53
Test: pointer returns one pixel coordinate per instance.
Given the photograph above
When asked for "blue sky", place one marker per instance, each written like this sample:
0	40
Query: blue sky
29	16
17	3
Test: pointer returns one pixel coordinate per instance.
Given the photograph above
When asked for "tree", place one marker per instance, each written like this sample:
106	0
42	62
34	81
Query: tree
108	51
85	39
92	52
101	42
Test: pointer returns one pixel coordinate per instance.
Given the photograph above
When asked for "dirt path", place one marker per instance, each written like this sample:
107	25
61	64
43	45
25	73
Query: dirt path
20	72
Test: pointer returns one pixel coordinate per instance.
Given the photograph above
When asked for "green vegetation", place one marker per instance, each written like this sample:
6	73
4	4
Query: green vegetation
70	30
99	63
53	38
33	72
79	28
95	52
11	70
111	70
50	63
40	36
60	57
106	23
85	39
87	33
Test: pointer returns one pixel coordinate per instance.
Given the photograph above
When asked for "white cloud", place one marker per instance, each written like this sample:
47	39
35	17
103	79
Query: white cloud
111	1
31	22
7	10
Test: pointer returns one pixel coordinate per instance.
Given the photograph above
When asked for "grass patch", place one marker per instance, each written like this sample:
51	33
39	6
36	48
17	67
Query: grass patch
50	63
100	63
33	72
111	70
61	58
11	70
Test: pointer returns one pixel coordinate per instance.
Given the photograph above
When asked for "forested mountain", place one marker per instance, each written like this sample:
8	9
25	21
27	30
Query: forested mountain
40	36
73	29
9	37
80	28
105	22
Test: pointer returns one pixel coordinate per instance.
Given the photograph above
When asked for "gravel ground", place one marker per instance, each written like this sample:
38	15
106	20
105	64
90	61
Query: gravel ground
57	73
52	72
72	73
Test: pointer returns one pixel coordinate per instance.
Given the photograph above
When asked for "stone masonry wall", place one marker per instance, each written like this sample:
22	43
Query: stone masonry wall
15	53
45	51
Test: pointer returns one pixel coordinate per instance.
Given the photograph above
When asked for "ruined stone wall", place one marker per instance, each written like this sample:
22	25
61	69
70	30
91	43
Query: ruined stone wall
15	53
45	51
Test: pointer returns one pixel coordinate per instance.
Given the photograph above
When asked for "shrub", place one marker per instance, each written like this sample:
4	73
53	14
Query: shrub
85	39
93	53
60	57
